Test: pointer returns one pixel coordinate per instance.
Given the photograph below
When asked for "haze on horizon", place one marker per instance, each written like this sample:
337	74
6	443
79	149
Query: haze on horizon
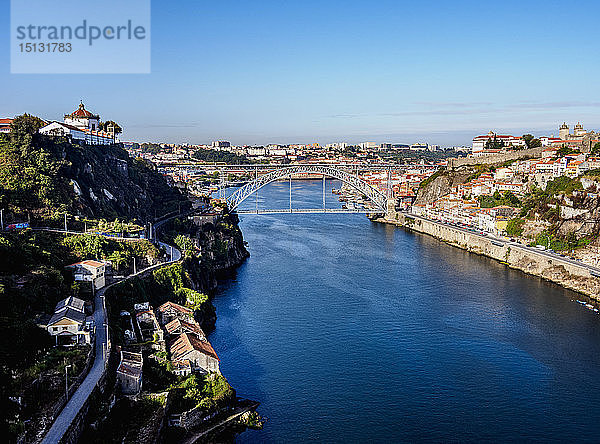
386	71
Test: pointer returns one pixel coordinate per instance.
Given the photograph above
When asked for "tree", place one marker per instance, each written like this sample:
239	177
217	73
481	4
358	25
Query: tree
26	124
515	227
510	199
531	141
596	149
104	126
494	144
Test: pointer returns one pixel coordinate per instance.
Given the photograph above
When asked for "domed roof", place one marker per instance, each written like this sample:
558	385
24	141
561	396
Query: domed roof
564	126
82	112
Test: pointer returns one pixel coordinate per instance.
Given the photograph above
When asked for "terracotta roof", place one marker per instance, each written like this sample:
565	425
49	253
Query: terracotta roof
5	121
191	327
186	343
90	263
175	306
82	112
130	369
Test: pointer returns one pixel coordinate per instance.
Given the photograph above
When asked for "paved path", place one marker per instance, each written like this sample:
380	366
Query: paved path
70	411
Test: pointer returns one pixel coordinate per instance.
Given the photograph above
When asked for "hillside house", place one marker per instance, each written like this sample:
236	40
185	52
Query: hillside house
89	271
170	310
69	324
200	354
129	373
178	326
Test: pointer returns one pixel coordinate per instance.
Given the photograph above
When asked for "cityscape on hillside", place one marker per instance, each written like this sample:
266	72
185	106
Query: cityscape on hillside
299	222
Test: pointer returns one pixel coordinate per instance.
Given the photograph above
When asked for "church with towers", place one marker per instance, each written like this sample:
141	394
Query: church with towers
580	137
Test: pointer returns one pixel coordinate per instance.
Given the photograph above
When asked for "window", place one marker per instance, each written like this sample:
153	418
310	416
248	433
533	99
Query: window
93	126
54	328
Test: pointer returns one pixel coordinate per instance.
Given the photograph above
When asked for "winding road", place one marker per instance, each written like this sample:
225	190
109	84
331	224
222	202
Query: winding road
75	404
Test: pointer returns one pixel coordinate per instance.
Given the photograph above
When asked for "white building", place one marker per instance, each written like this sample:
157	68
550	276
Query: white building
5	125
89	271
80	126
69	324
508	140
82	118
63	130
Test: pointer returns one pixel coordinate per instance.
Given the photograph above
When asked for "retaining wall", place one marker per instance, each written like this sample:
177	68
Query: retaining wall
573	276
496	158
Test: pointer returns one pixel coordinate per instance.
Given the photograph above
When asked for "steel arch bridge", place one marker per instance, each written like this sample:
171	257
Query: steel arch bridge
377	197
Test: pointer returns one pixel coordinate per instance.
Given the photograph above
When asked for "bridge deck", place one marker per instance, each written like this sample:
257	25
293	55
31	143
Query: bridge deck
311	211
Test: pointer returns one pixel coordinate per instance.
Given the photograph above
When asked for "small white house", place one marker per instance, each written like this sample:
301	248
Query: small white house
63	130
89	271
69	324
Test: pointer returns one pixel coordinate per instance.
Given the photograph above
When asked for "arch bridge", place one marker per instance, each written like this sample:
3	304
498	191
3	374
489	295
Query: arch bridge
377	198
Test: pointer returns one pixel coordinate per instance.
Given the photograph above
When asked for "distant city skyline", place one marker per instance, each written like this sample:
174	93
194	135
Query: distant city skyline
353	71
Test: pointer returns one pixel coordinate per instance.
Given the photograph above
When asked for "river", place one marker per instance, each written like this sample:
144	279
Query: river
350	331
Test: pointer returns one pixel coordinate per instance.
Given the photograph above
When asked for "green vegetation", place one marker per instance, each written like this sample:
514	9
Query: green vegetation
185	244
213	156
565	151
43	177
514	228
479	170
494	143
531	142
193	299
544	204
439	173
104	126
569	242
563	185
90	246
129	422
210	392
497	199
56	359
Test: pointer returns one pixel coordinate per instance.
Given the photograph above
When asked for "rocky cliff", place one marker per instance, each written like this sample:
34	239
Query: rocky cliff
441	183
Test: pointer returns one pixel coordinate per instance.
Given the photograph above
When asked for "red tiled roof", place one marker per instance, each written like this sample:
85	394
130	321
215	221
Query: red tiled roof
175	306
186	343
89	262
191	327
82	112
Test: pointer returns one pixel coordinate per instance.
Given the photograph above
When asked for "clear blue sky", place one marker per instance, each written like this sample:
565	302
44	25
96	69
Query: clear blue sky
300	71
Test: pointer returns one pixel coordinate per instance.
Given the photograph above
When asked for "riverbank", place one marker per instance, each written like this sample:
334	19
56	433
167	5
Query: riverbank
562	271
172	403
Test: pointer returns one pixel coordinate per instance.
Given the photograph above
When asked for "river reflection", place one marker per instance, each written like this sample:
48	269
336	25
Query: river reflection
350	331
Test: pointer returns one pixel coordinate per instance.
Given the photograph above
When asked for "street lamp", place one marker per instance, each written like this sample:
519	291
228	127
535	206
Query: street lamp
67	382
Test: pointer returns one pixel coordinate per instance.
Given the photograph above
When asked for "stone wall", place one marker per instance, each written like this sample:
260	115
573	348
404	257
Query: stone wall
573	276
496	158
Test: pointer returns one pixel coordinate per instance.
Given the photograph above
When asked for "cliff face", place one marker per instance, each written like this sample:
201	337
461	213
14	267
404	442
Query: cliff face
42	175
222	250
441	183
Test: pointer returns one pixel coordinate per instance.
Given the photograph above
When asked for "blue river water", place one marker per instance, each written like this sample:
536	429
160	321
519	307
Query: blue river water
351	331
